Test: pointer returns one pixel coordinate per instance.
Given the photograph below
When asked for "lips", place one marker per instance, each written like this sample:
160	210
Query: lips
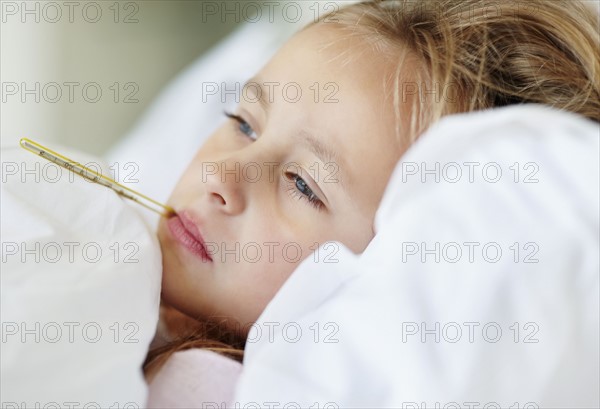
187	233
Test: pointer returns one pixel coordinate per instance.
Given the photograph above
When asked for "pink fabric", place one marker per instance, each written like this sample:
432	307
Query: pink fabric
194	378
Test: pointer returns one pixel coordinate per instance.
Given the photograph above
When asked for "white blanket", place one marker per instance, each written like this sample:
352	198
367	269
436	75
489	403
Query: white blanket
80	288
479	289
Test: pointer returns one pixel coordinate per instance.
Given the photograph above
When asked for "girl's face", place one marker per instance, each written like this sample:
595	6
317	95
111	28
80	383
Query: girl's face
303	160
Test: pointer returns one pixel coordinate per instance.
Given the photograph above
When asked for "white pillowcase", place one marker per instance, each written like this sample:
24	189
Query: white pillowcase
80	289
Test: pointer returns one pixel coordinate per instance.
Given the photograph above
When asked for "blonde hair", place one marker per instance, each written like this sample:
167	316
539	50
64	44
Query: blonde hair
473	55
540	52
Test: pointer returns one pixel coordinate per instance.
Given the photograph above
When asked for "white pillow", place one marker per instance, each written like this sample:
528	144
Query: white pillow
80	288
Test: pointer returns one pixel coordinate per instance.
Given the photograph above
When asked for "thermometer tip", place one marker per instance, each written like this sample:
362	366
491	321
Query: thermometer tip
170	213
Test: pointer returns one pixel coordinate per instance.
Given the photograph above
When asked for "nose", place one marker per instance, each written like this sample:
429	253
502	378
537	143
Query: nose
224	187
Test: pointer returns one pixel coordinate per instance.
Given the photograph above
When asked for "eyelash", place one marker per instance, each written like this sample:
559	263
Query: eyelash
241	122
294	191
311	197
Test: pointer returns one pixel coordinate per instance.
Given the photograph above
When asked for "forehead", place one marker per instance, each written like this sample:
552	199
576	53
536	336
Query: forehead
345	102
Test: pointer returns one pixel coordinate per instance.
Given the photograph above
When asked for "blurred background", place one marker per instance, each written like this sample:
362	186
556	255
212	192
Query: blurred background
82	72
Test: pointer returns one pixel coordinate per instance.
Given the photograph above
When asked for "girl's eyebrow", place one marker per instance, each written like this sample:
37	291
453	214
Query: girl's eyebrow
254	86
326	155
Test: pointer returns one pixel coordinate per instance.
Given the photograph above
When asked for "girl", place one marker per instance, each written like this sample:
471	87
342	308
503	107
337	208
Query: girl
284	174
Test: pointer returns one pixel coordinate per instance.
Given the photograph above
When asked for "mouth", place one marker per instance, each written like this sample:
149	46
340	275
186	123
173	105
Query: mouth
186	232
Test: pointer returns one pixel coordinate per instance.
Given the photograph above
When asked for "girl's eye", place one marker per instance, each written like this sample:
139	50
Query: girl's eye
243	126
301	190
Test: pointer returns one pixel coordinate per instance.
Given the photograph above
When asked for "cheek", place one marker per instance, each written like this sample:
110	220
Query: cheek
256	284
267	260
357	235
266	279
